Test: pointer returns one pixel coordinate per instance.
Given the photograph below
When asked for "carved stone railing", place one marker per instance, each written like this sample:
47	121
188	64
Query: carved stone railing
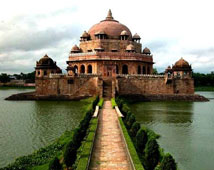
140	75
110	56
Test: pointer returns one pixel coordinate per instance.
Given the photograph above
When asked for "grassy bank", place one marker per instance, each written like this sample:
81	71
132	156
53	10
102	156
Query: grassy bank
204	88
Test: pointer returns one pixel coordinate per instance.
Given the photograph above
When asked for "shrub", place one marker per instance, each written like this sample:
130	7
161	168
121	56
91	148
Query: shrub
119	102
126	118
130	121
152	154
77	137
70	154
125	110
135	127
55	164
168	163
141	139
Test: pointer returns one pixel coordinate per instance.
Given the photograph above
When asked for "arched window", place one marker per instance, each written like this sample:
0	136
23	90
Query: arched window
117	69
148	70
144	70
45	73
82	69
139	70
89	69
125	69
75	69
38	72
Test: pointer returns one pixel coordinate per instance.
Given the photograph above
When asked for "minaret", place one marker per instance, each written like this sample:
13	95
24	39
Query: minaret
109	16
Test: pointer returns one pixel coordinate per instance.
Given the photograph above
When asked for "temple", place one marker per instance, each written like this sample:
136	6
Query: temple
110	61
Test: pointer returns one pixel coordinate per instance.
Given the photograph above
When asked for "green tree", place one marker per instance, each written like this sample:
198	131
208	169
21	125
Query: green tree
134	129
168	163
155	71
152	154
130	121
4	78
55	164
70	154
141	139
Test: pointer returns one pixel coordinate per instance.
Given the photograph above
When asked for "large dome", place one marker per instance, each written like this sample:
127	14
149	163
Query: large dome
111	27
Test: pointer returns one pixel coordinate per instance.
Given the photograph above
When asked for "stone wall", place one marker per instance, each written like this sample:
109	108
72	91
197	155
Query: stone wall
140	85
67	85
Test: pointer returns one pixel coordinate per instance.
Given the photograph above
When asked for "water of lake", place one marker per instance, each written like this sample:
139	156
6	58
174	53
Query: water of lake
26	126
186	129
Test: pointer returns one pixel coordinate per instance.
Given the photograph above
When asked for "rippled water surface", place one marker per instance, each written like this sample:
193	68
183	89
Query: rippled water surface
26	126
186	129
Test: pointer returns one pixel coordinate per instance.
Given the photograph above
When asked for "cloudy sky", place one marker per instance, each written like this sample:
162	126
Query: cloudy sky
170	28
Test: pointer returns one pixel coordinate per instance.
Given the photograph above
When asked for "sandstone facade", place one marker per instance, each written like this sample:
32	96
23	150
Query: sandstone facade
108	61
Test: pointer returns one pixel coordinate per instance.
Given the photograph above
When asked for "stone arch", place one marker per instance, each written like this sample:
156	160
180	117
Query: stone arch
139	70
90	69
144	70
82	69
117	69
148	70
125	69
75	69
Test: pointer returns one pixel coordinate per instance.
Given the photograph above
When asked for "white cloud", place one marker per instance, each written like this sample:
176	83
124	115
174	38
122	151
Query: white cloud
171	29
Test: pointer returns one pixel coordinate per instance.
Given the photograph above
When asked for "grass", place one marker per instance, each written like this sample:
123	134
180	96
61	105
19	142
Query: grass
100	104
131	147
204	88
113	102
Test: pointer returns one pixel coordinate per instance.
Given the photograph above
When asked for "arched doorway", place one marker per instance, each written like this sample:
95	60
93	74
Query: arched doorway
117	69
75	69
148	70
89	69
125	69
144	70
139	70
82	69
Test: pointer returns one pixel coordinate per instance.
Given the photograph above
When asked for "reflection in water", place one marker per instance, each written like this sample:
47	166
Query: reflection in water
26	126
186	129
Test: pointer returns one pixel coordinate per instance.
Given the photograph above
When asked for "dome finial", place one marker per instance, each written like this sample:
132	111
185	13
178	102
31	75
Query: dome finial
109	16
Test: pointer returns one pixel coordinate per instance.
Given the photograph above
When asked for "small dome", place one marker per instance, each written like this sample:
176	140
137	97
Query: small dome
75	48
146	51
46	61
124	32
136	36
85	35
181	63
130	47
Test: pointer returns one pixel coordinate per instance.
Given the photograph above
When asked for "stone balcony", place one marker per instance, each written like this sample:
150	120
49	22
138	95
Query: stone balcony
119	56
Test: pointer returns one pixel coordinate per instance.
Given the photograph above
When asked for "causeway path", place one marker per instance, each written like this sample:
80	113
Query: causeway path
109	151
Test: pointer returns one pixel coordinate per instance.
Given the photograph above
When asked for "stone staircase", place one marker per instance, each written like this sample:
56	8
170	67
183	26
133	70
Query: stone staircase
107	88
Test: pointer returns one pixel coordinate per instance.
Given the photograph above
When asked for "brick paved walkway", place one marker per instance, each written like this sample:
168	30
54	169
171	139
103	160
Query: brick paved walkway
109	151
